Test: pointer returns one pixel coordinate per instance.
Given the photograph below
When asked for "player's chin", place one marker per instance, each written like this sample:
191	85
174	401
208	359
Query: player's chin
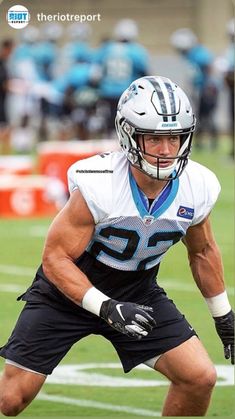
164	166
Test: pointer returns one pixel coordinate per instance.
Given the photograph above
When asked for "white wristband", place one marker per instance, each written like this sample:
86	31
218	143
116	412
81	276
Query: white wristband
218	305
93	300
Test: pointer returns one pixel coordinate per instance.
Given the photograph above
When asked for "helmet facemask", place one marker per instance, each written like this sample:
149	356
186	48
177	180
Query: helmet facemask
140	112
176	164
137	152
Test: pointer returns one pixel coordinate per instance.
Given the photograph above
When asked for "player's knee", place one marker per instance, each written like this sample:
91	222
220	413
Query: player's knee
207	378
10	404
211	378
203	380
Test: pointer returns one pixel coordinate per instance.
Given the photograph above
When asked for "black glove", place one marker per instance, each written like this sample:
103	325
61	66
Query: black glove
128	318
225	328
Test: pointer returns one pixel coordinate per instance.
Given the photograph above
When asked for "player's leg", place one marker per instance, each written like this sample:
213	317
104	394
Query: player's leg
41	338
18	388
192	377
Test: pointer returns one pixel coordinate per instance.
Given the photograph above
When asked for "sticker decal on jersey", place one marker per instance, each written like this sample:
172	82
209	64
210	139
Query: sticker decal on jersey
148	220
185	212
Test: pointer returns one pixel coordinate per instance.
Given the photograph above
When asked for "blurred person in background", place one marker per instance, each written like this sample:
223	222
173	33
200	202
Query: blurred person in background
24	104
207	105
205	86
35	102
77	48
121	60
229	78
72	91
47	51
79	96
46	60
225	67
23	56
6	49
23	136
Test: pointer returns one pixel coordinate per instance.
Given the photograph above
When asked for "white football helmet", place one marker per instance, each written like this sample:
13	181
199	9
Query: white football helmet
79	31
156	106
52	31
231	28
183	39
30	35
126	29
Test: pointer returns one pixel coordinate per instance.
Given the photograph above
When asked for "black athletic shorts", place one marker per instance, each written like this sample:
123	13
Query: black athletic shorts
50	324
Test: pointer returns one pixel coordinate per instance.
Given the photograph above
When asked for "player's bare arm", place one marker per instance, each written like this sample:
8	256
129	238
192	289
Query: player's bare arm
67	239
205	259
207	269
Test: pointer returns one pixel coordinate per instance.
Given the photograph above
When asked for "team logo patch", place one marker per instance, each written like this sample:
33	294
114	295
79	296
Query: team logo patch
148	220
185	212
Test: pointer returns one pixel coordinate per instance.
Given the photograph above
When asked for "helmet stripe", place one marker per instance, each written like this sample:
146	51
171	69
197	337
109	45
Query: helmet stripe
160	95
162	84
171	97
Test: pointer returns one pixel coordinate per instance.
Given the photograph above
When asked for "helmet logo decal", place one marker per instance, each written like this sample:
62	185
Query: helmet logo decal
129	94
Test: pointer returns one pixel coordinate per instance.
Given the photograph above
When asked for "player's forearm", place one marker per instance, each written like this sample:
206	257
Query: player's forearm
207	270
67	277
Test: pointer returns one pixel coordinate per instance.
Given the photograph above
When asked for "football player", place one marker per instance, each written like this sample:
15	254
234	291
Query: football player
120	61
103	251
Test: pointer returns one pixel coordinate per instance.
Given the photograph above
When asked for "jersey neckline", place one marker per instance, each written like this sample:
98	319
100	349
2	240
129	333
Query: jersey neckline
160	204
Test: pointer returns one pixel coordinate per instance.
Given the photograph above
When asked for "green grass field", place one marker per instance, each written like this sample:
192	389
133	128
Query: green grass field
101	389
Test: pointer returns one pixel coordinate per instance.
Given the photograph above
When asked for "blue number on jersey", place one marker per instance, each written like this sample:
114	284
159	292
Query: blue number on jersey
133	239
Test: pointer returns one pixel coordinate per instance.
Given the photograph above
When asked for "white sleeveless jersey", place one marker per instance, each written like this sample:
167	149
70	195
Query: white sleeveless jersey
127	235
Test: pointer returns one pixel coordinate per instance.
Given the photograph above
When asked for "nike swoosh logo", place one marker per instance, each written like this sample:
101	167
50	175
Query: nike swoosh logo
118	307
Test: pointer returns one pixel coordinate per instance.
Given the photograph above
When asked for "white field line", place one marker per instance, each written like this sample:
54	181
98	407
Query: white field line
173	284
168	283
89	375
34	231
14	288
98	405
16	270
38	231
